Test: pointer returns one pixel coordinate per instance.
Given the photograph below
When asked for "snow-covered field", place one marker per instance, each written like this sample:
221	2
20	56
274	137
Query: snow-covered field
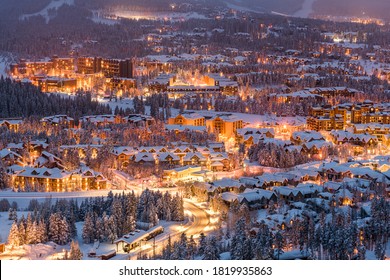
54	4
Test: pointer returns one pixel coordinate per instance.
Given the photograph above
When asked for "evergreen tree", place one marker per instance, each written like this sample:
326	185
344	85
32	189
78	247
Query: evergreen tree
191	248
13	236
75	252
112	230
168	250
279	244
202	244
58	229
211	251
88	234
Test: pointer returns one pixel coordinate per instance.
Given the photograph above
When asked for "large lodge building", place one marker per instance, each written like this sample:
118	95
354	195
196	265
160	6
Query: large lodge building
209	84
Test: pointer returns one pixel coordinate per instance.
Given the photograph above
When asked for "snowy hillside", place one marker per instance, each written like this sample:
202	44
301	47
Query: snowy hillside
54	5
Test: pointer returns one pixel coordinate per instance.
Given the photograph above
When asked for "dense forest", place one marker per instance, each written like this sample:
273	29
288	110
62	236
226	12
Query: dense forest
25	100
105	219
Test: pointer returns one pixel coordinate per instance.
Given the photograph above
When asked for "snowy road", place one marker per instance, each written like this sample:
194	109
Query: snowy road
200	223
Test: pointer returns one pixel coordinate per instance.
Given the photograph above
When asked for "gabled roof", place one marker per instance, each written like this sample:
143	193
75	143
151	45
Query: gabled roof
43	172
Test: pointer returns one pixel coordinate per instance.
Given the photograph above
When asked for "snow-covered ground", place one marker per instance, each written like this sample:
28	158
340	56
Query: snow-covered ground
240	6
6	224
171	16
5	61
3	66
54	4
306	10
97	17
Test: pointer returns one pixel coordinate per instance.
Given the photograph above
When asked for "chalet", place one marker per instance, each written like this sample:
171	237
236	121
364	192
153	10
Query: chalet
153	149
335	172
16	147
300	137
124	155
269	180
58	120
36	147
250	182
181	151
205	151
185	173
297	176
101	120
256	199
178	129
229	197
250	136
42	179
88	179
344	196
363	140
332	187
194	159
289	194
219	162
217	147
227	185
82	150
49	160
9	158
309	190
11	124
314	147
138	120
143	158
188	118
169	158
369	174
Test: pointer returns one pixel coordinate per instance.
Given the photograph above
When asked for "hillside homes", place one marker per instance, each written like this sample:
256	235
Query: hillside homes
211	157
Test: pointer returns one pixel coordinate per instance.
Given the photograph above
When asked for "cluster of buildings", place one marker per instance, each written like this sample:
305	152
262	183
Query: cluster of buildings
212	157
225	125
318	94
207	84
306	190
136	120
69	74
31	167
362	118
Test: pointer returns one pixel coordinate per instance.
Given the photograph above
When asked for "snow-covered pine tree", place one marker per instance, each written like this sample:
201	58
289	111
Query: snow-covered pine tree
211	251
191	248
88	233
75	252
279	244
112	230
168	250
42	232
13	236
58	229
202	244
